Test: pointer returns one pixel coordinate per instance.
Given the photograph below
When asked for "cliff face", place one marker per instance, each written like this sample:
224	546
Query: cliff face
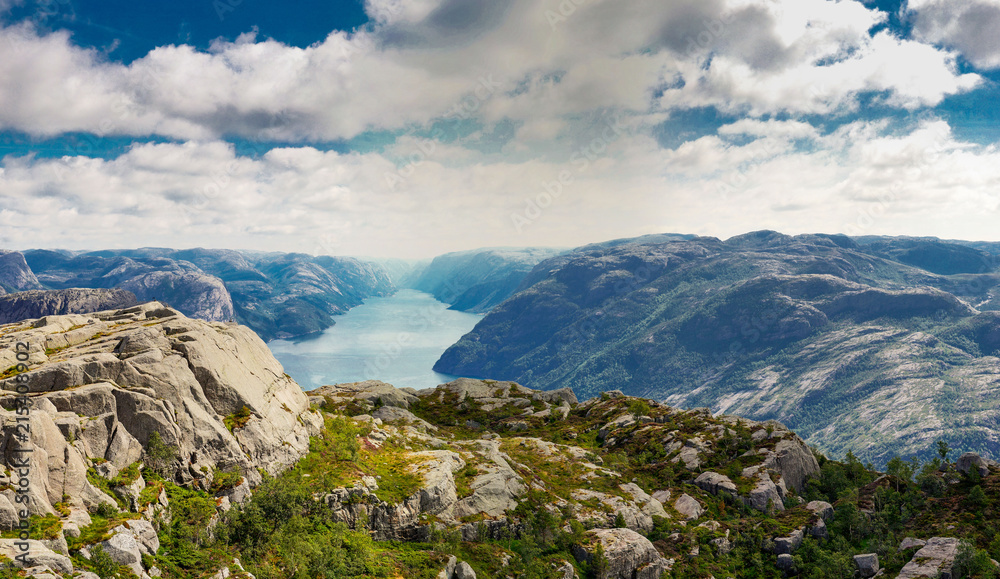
15	275
102	383
38	303
478	280
278	295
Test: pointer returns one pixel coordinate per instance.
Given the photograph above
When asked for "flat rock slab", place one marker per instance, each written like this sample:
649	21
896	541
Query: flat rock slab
933	558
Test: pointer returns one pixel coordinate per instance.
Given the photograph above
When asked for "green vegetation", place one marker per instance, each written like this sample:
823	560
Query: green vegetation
238	419
159	455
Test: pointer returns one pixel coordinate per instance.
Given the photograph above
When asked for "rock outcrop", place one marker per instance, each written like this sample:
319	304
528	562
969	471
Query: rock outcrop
39	303
629	555
932	560
103	383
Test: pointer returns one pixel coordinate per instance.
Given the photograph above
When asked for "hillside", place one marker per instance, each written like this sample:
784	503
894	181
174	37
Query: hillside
38	303
171	447
878	346
279	295
477	280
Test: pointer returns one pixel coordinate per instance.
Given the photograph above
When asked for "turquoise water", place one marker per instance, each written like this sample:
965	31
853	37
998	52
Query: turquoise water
395	339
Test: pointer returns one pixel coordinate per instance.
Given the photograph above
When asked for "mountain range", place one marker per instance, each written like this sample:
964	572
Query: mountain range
874	345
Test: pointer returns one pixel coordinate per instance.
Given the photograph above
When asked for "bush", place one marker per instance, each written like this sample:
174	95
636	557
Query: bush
159	455
224	480
973	563
639	407
104	565
237	419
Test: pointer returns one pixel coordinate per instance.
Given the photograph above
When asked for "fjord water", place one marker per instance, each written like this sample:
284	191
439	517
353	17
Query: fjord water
395	339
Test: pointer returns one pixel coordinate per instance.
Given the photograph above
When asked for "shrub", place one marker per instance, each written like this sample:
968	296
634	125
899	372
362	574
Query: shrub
224	480
237	419
159	455
104	565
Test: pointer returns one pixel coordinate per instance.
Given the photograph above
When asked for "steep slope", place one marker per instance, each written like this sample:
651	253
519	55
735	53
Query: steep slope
38	303
853	349
15	275
278	295
478	280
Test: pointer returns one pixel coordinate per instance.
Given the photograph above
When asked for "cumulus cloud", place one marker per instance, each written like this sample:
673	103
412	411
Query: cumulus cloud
969	27
423	60
863	178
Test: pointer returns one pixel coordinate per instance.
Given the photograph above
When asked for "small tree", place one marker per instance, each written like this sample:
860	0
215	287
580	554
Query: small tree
943	449
977	498
159	455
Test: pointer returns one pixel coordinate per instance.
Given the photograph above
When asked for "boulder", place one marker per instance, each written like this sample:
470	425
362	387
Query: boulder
124	549
629	554
867	564
37	554
765	496
821	508
566	571
819	531
970	460
687	506
788	545
715	483
785	562
793	460
463	571
911	543
648	504
612	507
933	559
449	569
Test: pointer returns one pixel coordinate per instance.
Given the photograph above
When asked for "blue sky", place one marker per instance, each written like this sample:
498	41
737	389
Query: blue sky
414	127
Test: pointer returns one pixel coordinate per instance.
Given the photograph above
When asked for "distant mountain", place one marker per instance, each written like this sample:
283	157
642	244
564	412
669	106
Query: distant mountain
878	346
39	303
279	295
15	275
476	281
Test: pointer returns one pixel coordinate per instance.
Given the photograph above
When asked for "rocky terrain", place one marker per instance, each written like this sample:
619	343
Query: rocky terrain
476	281
278	295
38	303
878	346
173	447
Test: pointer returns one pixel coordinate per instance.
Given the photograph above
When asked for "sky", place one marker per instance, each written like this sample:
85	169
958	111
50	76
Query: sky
409	128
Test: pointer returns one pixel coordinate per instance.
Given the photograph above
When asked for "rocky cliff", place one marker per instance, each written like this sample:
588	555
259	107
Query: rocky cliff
103	383
38	303
478	280
278	295
15	275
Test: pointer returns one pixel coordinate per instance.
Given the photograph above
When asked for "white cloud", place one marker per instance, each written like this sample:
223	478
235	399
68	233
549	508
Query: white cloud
424	58
860	179
969	26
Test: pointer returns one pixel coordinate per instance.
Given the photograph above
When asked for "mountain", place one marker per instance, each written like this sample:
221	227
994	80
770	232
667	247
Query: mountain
162	446
876	346
15	275
39	303
478	280
279	295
